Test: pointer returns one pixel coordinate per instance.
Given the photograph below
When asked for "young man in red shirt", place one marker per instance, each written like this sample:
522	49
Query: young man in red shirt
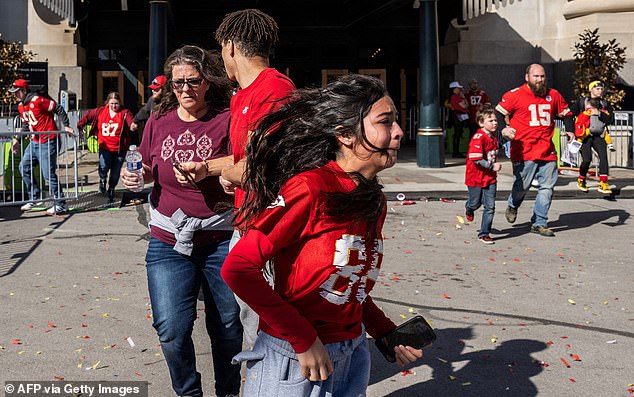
529	112
246	37
38	115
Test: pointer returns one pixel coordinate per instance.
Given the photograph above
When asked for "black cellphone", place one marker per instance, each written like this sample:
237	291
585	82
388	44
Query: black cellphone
415	332
183	173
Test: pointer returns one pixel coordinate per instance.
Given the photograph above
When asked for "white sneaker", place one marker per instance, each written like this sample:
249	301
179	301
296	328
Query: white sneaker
29	206
57	209
611	147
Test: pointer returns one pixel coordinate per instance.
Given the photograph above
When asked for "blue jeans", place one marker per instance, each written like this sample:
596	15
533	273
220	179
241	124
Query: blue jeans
44	154
483	196
110	161
273	369
546	174
174	281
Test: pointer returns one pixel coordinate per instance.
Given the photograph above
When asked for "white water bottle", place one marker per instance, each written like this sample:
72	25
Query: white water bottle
134	163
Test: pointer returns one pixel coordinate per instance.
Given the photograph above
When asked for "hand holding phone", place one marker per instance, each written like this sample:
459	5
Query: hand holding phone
415	332
186	175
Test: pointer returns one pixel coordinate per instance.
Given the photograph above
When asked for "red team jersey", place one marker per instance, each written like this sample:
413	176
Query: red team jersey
481	147
474	100
324	268
110	129
250	105
533	119
39	116
112	132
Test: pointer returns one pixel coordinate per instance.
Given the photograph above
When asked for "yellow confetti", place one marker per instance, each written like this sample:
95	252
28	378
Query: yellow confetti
460	219
11	294
77	350
605	302
97	363
403	316
494	339
452	377
572	302
107	347
21	352
80	365
466	383
157	354
114	299
104	315
37	353
410	310
1	347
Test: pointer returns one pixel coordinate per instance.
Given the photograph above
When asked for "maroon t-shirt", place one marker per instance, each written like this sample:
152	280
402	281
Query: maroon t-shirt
170	137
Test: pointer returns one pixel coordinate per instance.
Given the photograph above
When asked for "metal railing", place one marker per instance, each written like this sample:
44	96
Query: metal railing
21	156
621	135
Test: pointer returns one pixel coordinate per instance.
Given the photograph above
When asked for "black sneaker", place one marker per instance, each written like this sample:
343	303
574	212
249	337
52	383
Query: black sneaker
543	231
469	215
511	214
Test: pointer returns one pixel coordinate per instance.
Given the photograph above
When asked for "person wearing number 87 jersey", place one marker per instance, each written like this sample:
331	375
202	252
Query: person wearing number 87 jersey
530	111
113	124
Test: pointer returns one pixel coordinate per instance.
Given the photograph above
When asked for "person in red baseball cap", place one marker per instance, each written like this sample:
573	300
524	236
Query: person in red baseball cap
19	84
144	113
37	112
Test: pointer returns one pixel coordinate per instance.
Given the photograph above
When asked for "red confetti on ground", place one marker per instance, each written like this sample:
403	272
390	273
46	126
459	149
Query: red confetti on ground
542	363
446	296
407	372
408	202
492	259
58	377
50	324
564	337
408	251
575	357
572	380
550	342
516	259
394	279
84	326
563	360
16	342
137	374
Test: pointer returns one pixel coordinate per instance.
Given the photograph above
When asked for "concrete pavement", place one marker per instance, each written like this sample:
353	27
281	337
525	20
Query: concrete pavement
73	295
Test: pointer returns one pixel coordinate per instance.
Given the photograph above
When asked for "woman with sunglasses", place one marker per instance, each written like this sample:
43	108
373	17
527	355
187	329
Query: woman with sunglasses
314	205
190	225
113	124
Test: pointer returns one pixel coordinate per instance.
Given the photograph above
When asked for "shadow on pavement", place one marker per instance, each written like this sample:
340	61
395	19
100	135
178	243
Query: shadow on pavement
571	221
504	370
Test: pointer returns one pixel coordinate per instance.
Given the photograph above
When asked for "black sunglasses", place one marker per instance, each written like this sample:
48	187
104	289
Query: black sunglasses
180	84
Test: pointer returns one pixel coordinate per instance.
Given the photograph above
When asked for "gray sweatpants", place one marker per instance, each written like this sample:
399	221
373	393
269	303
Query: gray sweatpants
273	369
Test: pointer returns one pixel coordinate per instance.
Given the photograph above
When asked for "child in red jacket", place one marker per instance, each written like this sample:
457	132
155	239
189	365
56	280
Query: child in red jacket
590	130
481	172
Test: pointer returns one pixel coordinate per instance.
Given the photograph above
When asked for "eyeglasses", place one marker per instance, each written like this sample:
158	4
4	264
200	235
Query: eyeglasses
180	84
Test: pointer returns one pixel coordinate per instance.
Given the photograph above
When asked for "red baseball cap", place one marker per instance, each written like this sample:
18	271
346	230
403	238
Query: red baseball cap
19	83
158	82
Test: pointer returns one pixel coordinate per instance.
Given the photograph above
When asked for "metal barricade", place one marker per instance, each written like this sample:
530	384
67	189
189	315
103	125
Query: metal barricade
621	136
50	166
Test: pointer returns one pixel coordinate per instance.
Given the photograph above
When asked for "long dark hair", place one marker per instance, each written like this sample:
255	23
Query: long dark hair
302	135
209	64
